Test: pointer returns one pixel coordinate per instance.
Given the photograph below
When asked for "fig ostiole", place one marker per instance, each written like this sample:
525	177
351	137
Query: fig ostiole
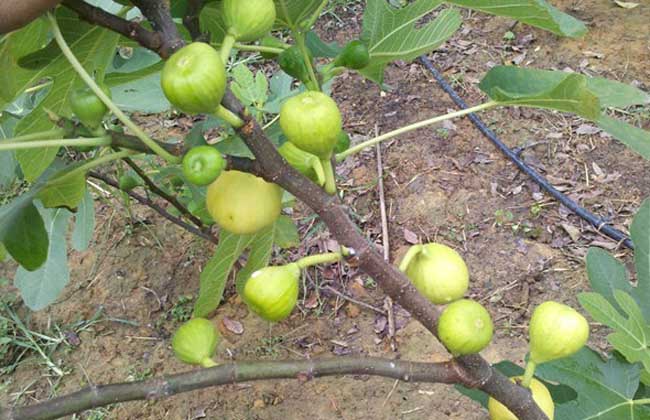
465	327
195	342
437	271
194	79
249	20
272	292
541	396
556	331
242	203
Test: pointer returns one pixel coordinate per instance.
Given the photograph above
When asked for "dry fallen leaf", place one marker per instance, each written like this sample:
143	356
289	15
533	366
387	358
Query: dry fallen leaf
233	326
626	4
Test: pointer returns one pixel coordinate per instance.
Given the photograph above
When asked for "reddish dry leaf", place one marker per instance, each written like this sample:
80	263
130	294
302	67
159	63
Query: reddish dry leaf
233	326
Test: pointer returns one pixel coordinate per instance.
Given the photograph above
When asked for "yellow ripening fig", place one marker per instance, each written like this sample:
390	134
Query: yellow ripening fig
272	292
541	396
248	20
437	271
556	331
242	203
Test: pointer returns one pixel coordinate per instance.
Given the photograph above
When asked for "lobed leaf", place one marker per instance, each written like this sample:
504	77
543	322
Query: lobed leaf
640	234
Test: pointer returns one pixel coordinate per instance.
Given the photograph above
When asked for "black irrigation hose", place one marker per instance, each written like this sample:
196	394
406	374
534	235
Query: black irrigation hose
600	224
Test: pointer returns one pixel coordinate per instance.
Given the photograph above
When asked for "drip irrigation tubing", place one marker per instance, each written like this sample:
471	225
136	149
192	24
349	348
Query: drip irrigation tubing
600	224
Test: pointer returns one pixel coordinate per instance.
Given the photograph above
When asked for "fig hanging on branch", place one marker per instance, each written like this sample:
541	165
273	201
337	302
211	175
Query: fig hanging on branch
195	342
272	292
541	396
242	203
465	327
248	20
89	109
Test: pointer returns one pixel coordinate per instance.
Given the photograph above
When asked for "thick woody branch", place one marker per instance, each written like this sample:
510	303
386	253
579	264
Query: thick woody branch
158	14
129	29
391	280
191	18
230	373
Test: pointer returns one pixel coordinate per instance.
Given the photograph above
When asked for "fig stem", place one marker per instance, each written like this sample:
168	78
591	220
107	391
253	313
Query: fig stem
226	47
528	374
330	182
208	363
300	42
83	74
35	144
359	147
310	260
92	164
258	48
410	254
229	117
317	166
41	135
314	16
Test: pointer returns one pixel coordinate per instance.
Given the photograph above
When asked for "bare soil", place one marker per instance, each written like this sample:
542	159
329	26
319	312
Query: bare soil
445	183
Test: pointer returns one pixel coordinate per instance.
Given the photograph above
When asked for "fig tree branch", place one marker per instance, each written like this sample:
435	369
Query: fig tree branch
191	18
129	29
164	195
390	279
155	207
231	373
158	14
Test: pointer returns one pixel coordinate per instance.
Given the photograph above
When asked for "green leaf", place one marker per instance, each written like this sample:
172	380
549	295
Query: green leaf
3	252
605	389
84	223
291	13
286	233
251	89
631	335
211	21
391	34
636	139
93	46
640	233
319	48
566	92
23	232
533	12
261	248
529	82
67	192
606	274
215	273
41	287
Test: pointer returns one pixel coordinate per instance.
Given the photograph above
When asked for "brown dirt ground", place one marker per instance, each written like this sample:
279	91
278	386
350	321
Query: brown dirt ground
443	183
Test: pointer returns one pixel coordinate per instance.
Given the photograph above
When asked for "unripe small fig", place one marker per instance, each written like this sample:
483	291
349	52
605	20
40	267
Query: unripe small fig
272	292
248	20
242	203
437	271
556	331
195	342
541	396
465	327
89	109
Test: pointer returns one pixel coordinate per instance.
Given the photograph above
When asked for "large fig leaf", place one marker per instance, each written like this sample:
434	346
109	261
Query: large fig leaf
391	33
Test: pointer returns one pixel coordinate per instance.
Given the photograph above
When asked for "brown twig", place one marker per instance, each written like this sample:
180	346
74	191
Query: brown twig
161	211
230	373
131	30
158	14
164	195
191	18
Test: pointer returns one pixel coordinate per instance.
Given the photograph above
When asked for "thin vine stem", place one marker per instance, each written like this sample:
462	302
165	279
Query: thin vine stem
76	65
36	144
310	260
41	135
359	147
93	164
300	41
258	48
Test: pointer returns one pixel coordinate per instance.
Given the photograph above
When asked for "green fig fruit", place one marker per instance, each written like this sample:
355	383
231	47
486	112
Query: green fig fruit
556	331
465	327
272	292
541	396
195	342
